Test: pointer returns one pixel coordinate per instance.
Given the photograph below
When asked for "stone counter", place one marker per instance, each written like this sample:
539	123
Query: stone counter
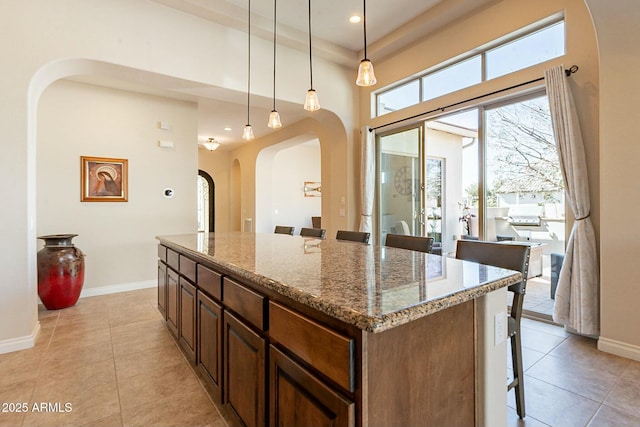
372	287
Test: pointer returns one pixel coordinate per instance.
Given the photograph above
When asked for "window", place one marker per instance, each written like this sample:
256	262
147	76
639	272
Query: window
457	76
499	59
526	51
399	97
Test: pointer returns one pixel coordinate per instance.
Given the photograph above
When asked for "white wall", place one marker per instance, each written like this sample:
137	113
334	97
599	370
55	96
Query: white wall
291	168
118	238
136	41
618	29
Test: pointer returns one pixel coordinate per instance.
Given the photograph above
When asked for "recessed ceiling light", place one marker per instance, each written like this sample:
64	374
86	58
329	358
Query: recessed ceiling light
355	19
227	128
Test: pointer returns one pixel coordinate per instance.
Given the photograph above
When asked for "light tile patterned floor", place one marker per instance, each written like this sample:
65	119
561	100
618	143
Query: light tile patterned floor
114	360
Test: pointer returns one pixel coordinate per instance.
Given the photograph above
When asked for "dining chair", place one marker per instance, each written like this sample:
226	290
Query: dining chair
413	243
284	229
512	257
313	232
354	236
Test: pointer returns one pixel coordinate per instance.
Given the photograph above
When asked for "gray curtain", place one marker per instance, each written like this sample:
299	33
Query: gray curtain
577	296
367	177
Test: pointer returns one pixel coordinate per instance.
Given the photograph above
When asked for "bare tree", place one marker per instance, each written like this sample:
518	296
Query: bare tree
522	153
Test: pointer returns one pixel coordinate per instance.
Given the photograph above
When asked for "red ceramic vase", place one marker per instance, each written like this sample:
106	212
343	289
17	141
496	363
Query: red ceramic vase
60	271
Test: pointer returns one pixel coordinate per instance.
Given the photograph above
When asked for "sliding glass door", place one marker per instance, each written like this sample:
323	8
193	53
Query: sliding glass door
400	183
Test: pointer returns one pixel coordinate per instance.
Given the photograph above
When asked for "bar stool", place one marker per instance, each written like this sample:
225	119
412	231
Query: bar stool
313	232
354	236
513	257
413	243
283	229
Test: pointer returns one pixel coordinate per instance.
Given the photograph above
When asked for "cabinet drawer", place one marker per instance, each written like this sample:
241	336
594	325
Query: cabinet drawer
162	253
210	282
173	259
188	268
327	351
245	302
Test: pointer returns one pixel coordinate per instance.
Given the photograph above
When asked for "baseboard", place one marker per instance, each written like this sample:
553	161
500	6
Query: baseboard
619	348
113	289
20	343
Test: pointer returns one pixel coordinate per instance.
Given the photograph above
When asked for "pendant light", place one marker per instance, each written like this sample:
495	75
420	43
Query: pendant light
311	101
366	77
247	135
274	117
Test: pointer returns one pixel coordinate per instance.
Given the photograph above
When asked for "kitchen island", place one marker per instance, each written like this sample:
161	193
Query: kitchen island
287	330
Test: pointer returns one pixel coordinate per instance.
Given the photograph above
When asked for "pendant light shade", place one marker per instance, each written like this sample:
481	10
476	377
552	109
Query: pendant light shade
247	135
274	120
366	76
311	101
274	117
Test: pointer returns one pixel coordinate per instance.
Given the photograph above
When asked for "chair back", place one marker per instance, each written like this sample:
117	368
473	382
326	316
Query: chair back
284	229
354	236
509	256
313	232
316	222
413	243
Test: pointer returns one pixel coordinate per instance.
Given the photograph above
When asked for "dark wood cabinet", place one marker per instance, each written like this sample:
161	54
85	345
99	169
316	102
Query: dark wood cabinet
244	371
298	398
209	344
162	289
187	315
173	293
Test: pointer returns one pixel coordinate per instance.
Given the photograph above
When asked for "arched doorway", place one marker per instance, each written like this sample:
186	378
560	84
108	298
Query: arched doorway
206	202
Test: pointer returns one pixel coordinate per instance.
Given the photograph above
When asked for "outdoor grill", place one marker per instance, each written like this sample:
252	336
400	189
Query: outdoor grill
525	215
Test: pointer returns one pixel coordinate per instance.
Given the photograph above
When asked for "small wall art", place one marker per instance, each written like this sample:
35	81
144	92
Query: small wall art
103	179
312	189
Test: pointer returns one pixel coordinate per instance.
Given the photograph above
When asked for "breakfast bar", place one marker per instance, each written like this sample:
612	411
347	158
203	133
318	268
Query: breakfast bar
288	330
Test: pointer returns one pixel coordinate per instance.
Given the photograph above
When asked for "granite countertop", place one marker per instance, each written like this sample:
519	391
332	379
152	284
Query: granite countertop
372	287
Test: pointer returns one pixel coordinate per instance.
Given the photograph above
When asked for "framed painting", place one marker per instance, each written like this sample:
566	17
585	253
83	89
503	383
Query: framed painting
103	179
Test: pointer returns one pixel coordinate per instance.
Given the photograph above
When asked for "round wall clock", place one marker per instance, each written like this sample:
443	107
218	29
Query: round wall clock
403	181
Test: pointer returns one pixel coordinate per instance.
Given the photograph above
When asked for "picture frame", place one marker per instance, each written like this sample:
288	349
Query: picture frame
104	179
312	189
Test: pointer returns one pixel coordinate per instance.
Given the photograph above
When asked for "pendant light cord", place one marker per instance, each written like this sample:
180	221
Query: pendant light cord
249	63
310	64
364	23
275	2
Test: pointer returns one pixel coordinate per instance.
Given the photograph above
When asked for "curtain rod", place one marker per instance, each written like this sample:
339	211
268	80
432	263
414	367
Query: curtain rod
568	72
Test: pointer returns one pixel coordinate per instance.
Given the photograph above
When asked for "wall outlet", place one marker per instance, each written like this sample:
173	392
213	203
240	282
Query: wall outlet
500	328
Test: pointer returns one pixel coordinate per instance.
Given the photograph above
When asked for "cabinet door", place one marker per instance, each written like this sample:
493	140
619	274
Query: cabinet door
244	372
162	289
298	398
173	290
187	325
209	336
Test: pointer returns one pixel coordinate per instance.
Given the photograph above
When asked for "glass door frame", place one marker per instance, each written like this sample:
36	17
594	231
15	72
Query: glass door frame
421	218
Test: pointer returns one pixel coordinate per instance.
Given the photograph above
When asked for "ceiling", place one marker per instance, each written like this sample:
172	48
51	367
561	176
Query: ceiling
391	24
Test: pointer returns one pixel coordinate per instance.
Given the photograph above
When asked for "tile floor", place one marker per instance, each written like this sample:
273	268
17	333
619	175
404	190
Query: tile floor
112	358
